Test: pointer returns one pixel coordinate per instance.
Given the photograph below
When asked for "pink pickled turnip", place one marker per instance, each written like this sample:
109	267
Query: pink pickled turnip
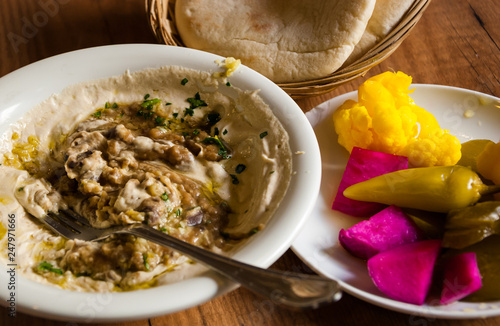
364	164
405	273
461	277
385	230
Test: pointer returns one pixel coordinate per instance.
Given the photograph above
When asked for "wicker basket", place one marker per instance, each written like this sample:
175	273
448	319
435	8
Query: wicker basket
162	20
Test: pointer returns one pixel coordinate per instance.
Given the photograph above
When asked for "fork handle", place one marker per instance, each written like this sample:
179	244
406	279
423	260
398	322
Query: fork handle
291	289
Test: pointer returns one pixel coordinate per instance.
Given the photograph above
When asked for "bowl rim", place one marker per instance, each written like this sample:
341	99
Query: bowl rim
265	247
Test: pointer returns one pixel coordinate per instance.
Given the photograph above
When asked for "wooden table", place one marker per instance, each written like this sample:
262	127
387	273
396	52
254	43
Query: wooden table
456	43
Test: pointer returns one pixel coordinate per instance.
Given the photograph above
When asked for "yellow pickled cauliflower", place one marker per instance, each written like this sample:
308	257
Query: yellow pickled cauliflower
386	119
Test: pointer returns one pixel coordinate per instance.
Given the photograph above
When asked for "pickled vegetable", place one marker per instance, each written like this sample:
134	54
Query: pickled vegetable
487	253
465	227
470	152
436	189
405	272
461	277
488	162
362	165
385	230
386	119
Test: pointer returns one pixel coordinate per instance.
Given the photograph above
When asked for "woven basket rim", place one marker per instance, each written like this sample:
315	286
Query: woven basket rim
161	15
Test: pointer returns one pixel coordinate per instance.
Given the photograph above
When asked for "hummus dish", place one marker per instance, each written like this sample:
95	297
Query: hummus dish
180	150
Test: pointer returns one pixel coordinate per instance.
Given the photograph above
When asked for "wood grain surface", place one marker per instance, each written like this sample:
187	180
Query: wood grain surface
456	43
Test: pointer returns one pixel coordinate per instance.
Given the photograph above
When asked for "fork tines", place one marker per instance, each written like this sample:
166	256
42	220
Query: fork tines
66	222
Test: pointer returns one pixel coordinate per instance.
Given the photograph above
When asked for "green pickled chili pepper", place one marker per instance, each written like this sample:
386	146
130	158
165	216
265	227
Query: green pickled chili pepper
467	226
436	189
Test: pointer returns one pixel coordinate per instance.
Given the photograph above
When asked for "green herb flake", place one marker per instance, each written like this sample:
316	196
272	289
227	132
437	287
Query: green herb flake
168	103
97	114
216	141
178	212
149	104
254	230
196	132
46	266
196	101
263	134
107	105
20	189
146	96
228	84
271	172
164	196
160	121
189	111
240	168
224	132
145	259
175	114
184	81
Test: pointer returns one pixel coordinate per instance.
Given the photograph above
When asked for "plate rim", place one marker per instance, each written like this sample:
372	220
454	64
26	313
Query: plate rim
380	300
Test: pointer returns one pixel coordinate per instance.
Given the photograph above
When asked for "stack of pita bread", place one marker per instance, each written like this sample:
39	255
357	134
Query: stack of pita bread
288	40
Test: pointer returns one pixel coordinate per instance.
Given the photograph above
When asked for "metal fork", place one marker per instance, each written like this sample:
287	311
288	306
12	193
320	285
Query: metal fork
291	289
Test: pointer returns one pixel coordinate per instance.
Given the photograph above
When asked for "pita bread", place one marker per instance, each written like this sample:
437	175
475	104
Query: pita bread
285	40
385	17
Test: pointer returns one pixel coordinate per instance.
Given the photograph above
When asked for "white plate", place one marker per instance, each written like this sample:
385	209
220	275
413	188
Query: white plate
28	86
318	245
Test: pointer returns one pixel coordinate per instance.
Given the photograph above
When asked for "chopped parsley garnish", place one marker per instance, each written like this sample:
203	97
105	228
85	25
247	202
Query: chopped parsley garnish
184	81
149	104
168	103
188	111
175	114
196	132
160	121
222	149
146	96
46	266
271	172
20	189
240	168
164	196
97	114
228	84
235	180
216	131
263	134
110	106
196	101
145	259
178	212
224	132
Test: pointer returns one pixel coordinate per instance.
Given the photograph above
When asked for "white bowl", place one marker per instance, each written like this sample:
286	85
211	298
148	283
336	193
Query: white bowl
28	86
